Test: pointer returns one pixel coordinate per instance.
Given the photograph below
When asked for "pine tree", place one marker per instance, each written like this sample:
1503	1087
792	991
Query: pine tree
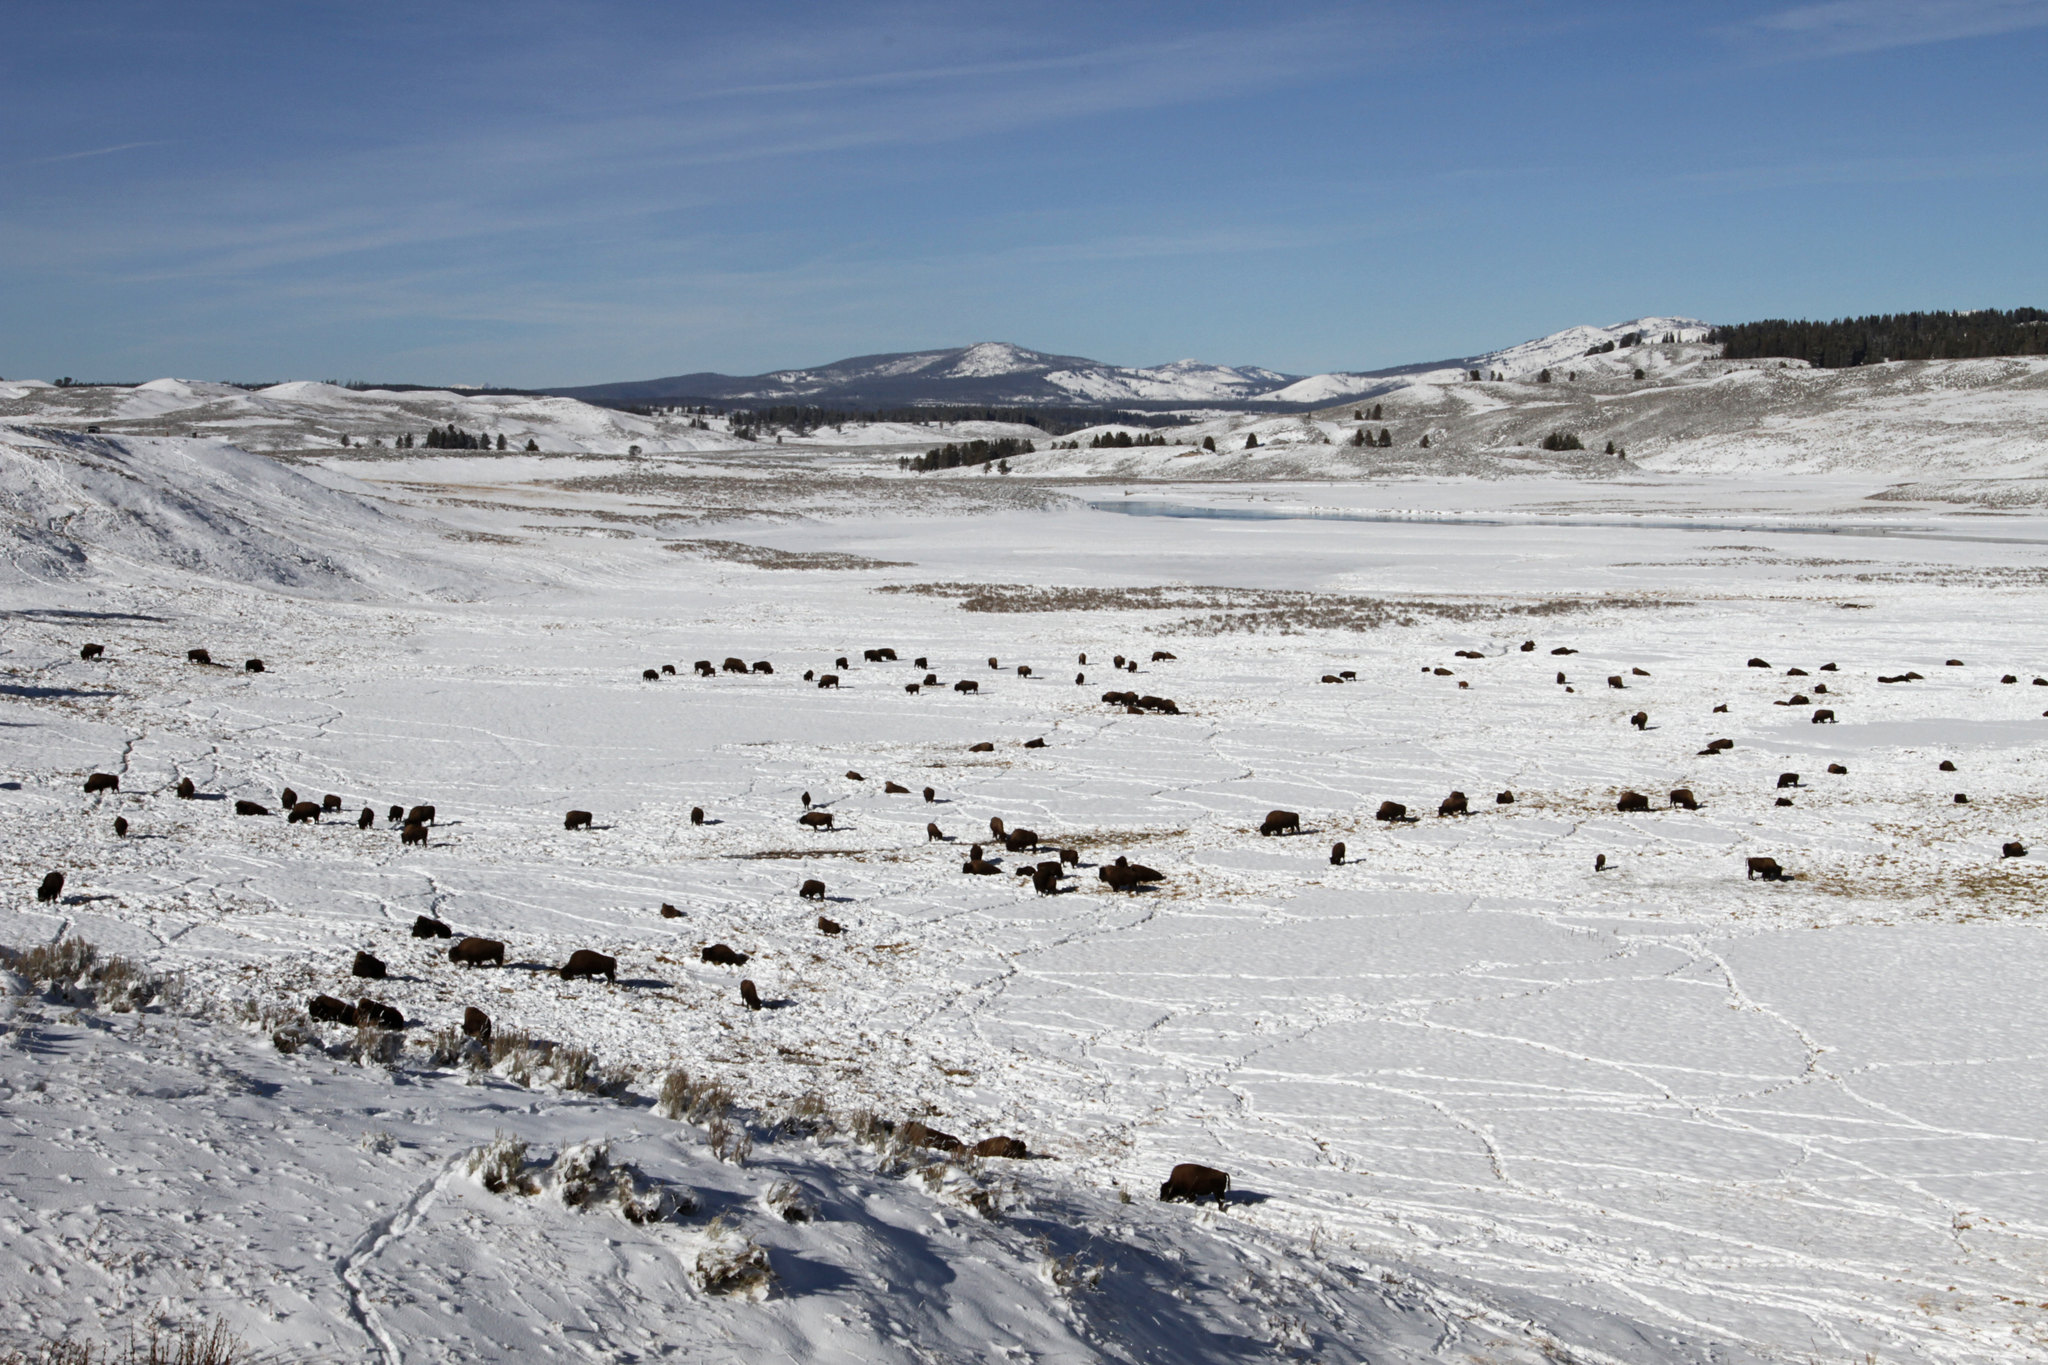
532	446
501	440
1543	378
1425	440
1386	437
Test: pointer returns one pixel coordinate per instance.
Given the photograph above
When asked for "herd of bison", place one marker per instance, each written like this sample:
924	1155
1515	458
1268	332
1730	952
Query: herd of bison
1187	1181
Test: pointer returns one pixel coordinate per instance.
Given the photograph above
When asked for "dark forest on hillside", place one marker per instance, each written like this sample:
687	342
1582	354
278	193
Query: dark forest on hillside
1889	336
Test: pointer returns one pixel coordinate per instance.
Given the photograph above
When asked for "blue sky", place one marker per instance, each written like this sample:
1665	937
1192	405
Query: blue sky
528	193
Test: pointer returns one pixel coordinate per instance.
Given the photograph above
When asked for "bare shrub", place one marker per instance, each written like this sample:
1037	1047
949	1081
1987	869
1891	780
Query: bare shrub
500	1166
729	1141
1070	1273
584	1176
124	985
448	1046
785	1199
61	963
806	1116
293	1035
373	1046
863	1127
188	1346
729	1263
674	1099
572	1067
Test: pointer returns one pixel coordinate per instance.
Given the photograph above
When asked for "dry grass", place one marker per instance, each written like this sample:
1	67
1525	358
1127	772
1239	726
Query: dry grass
187	1346
66	960
765	557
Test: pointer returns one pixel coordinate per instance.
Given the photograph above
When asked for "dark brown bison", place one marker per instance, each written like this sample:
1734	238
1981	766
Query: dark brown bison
967	685
1454	804
1683	799
1017	840
330	802
102	782
1722	707
1954	663
732	665
931	680
91	651
992	662
327	1010
1796	699
1504	798
1528	646
1962	799
1117	663
912	688
427	927
1118	878
976	866
1759	663
1717	746
1332	678
749	997
812	889
669	670
1080	679
932	833
367	964
1560	677
252	665
1561	649
807	800
762	666
1391	811
303	811
1795	672
250	808
1348	674
2014	849
916	1134
852	776
1822	716
1782	801
1614	680
1280	822
704	669
374	1014
2009	678
1837	769
198	656
696	815
1828	668
186	790
1600	862
1767	868
576	819
1161	656
395	814
476	1024
288	798
1788	779
930	797
1034	744
829	927
1641	720
420	815
828	680
411	833
920	662
840	662
815	819
1632	801
1071	857
120	827
1442	672
1043	882
1007	1148
1023	670
1194	1183
366	819
718	955
995	825
1163	705
1337	855
649	675
669	911
475	952
1947	765
589	962
52	887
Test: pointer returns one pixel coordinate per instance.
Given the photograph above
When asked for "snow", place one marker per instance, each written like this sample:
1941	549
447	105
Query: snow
1478	1101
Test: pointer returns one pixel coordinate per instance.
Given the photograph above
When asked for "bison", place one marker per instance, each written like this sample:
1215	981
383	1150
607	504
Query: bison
732	665
576	819
91	651
1947	765
589	962
852	776
102	782
1641	720
669	670
1337	855
1759	663
1561	649
912	688
992	662
412	833
420	815
669	911
395	814
931	680
1600	862
328	1010
474	952
1332	678
198	656
749	997
1008	1148
476	1024
930	797
250	808
1788	779
995	825
815	819
1632	801
1683	799
186	790
374	1014
976	866
330	802
52	887
1614	680
718	955
1034	743
426	927
704	669
696	815
1280	822
1962	799
1837	769
649	675
1194	1183
1391	811
812	889
1043	882
828	680
1454	804
288	798
2013	849
252	665
120	827
762	666
1017	840
1528	646
303	811
967	685
829	927
1023	670
367	965
1161	656
1504	798
840	662
1822	716
1767	868
915	1134
932	833
1782	801
1071	857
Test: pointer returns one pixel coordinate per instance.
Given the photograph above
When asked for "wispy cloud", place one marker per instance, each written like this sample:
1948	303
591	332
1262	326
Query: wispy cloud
95	151
1841	27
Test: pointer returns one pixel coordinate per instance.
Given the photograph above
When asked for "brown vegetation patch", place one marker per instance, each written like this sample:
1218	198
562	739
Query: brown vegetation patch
767	557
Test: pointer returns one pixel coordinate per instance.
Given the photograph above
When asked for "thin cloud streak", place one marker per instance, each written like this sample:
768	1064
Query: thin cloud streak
1846	27
96	151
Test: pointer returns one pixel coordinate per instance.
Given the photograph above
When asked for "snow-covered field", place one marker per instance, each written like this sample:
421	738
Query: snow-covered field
1478	1101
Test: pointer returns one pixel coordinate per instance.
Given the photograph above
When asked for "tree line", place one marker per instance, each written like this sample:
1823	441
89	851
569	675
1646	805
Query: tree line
952	456
1848	342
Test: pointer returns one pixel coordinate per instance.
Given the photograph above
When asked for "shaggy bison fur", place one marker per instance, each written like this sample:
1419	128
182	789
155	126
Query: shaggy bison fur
475	952
1194	1183
589	962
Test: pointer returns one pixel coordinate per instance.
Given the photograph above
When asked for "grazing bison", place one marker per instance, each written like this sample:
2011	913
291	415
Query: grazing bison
576	819
1118	878
1163	705
1948	765
812	889
1788	779
1641	720
1837	769
52	887
120	827
252	665
704	669
718	955
1070	857
476	1024
2014	849
1008	1148
1017	840
1454	804
91	651
186	791
933	834
1962	799
1337	855
395	814
762	666
1332	678
330	802
967	685
1391	811
809	674
977	866
669	669
375	1014
303	811
930	797
426	927
915	1134
912	688
749	997
816	819
249	808
1563	650
829	927
288	798
932	680
1348	674
696	815
1161	656
1600	862
1023	670
327	1010
1683	799
1614	680
992	662
1767	868
198	656
420	815
412	833
1722	707
1632	801
852	776
1759	663
669	911
840	662
1782	801
649	675
1194	1183
1504	799
828	680
367	964
1280	822
589	962
732	665
995	825
1043	882
475	952
1823	716
102	782
920	662
1034	744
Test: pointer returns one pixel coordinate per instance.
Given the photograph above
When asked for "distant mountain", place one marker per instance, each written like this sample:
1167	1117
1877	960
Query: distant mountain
998	373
